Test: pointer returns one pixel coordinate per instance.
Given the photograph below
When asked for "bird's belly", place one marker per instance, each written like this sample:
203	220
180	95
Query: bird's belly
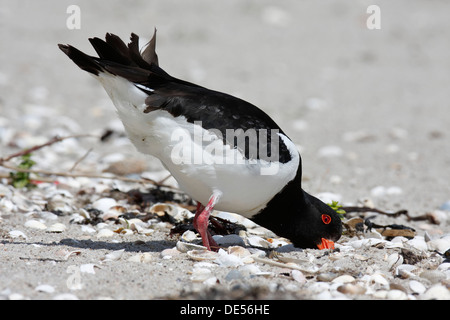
201	163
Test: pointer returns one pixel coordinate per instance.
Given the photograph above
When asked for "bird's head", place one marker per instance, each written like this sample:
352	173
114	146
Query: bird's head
318	225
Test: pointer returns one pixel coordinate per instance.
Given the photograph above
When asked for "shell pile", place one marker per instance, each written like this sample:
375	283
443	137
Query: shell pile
88	238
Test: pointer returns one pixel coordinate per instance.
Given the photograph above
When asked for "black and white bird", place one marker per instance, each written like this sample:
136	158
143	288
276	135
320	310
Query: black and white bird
224	152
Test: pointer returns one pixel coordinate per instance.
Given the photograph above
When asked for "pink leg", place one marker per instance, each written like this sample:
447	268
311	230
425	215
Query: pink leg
201	221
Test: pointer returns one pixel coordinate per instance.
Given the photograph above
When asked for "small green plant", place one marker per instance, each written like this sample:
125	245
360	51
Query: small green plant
338	208
22	179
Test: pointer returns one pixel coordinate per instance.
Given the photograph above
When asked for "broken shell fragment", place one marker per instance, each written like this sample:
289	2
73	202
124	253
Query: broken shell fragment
202	255
145	257
186	246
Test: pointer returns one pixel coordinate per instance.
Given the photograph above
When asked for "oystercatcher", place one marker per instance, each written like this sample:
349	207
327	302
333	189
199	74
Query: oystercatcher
226	153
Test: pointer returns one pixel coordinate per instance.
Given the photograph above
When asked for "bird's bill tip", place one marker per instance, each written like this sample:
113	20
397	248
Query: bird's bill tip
326	244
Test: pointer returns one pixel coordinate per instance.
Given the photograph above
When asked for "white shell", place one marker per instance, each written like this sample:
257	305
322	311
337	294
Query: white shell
258	242
202	255
115	255
88	268
145	257
57	228
228	260
105	233
104	204
298	276
379	279
437	292
343	279
394	260
189	236
417	287
200	274
16	234
186	246
34	224
396	295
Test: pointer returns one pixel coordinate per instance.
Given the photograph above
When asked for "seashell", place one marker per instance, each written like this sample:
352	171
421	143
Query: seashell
405	271
34	224
380	279
186	246
250	269
105	233
344	279
440	244
87	229
355	223
114	212
57	228
394	260
228	260
88	268
298	276
7	205
114	256
242	253
210	281
326	276
373	234
365	243
417	287
200	274
104	204
202	255
140	227
437	292
350	288
257	241
189	236
67	255
434	276
396	295
141	257
360	257
16	234
178	213
168	253
418	242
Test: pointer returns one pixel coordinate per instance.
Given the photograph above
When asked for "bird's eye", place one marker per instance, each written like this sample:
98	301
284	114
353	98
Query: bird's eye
326	219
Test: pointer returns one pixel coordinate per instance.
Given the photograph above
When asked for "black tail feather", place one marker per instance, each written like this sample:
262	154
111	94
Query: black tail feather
123	60
85	62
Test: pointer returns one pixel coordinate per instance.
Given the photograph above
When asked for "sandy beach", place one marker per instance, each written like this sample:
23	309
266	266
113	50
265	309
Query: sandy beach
367	108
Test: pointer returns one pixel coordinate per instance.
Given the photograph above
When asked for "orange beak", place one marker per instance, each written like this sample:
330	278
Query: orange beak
326	244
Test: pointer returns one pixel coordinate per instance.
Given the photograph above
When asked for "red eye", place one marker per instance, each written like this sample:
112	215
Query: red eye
326	218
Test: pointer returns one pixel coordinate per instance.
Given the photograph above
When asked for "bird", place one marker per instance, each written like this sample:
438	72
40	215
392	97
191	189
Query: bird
225	153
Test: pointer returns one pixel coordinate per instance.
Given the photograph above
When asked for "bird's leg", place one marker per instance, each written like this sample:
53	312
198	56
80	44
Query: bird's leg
201	221
199	210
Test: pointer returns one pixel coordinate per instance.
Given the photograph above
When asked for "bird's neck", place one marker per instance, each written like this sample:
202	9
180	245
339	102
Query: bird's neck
283	209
